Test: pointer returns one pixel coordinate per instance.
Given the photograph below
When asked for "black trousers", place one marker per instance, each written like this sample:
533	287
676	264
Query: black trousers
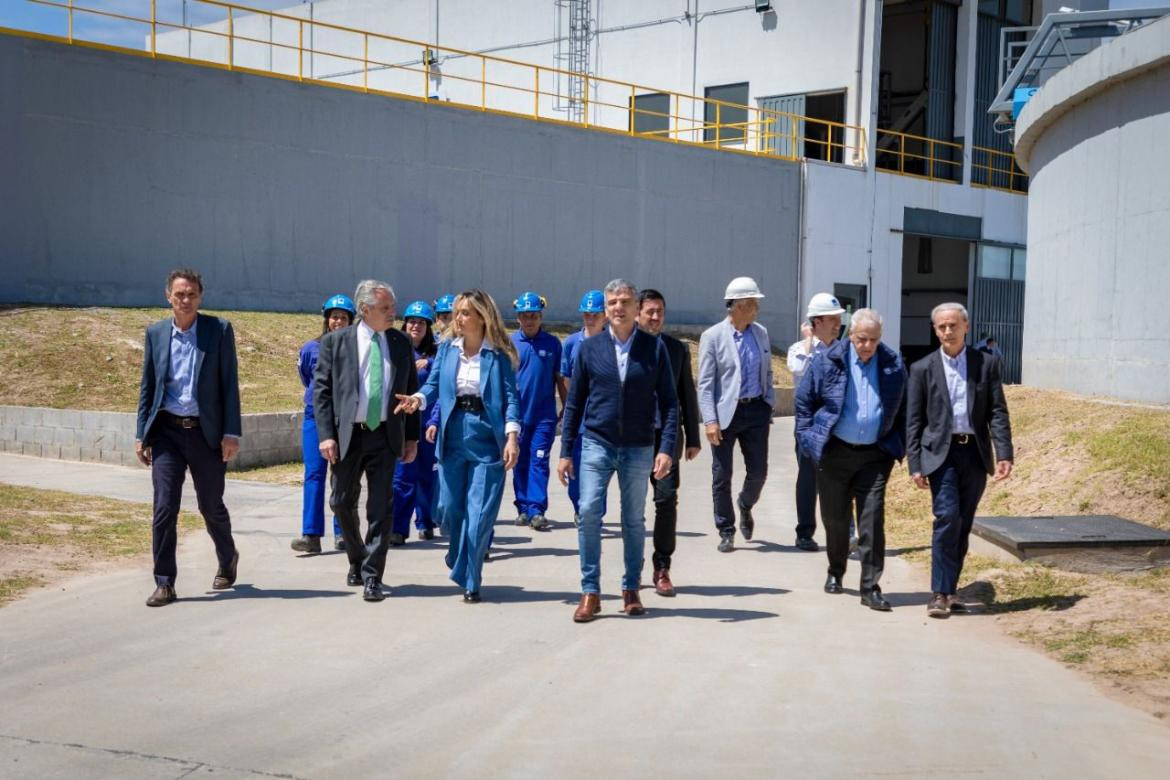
806	495
665	511
174	450
956	487
368	454
851	474
749	427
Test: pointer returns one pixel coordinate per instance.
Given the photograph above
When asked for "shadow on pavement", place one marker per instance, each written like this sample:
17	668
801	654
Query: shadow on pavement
252	592
722	615
729	590
533	552
904	550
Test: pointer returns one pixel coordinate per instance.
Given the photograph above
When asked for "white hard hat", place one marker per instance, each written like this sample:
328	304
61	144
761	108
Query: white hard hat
742	287
824	304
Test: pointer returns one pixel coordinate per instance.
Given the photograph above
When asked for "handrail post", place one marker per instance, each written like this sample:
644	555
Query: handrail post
792	146
153	28
585	99
366	61
718	124
536	93
301	50
69	15
231	40
633	112
426	74
482	83
902	153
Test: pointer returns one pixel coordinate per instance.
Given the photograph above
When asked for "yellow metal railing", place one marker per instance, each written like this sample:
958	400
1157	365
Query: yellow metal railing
270	43
916	155
997	170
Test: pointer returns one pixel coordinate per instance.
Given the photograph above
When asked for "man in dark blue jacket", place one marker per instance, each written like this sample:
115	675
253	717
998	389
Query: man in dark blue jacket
850	419
620	377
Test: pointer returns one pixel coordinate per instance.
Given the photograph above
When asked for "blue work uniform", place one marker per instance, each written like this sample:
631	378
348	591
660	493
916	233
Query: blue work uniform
414	482
316	467
536	385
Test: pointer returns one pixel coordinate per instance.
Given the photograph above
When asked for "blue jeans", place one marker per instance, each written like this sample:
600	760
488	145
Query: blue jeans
633	465
575	480
316	476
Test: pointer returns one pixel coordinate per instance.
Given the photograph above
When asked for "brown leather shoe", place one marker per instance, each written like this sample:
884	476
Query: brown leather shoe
662	584
632	603
225	577
937	608
588	608
163	595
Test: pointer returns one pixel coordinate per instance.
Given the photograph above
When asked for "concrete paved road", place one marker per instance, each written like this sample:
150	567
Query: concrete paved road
751	670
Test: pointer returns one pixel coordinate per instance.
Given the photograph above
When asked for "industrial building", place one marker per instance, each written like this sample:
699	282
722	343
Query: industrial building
839	145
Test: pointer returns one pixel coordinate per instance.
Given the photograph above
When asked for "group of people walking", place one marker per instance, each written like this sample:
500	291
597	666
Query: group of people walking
435	414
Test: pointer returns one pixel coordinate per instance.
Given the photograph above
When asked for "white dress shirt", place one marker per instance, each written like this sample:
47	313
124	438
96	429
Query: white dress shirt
467	377
364	335
799	356
955	370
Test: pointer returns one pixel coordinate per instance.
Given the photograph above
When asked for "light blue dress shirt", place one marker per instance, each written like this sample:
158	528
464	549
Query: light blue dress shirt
749	363
621	350
955	371
179	388
861	414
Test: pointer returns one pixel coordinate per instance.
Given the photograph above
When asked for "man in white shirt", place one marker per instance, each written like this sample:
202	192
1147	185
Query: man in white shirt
359	369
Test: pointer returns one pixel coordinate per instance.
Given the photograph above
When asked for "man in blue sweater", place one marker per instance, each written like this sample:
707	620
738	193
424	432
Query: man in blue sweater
620	377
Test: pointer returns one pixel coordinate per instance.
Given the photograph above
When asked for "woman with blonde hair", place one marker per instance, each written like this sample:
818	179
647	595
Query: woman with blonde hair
474	383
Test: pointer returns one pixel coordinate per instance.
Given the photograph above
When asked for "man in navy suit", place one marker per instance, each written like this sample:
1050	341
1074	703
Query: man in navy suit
188	418
955	412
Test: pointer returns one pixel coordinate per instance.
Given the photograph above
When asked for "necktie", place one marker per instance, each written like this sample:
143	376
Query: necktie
374	410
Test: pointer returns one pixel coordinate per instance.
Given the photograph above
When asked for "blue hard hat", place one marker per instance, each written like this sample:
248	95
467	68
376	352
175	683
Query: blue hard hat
445	304
592	302
529	301
342	302
420	309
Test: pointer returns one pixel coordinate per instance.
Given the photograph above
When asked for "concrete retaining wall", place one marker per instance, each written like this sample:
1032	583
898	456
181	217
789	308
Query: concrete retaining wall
108	437
117	168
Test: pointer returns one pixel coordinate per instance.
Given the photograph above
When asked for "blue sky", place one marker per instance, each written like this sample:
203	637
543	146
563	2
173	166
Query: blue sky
26	15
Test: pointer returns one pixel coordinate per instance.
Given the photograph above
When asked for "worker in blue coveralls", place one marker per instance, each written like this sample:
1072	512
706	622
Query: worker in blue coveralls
592	310
537	384
444	312
414	482
338	312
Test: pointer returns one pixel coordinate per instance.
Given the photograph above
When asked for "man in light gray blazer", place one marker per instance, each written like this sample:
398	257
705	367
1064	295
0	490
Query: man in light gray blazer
736	400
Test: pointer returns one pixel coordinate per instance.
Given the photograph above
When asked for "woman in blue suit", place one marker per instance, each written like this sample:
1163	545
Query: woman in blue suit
414	482
338	312
474	383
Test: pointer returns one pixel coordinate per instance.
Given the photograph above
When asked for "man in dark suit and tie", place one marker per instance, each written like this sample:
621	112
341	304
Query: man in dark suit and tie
955	412
359	369
188	418
651	318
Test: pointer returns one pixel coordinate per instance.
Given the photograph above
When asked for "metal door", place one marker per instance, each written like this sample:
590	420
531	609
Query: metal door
997	304
783	135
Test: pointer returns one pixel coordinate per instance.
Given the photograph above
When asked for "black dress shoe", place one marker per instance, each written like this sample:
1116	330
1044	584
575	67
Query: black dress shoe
833	585
727	542
397	540
354	578
163	595
874	600
471	597
807	544
338	543
747	523
225	577
373	591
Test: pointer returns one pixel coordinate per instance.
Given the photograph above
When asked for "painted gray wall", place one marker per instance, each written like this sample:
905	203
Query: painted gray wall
122	167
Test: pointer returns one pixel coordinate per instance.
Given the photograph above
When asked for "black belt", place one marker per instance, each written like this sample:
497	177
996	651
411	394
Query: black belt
749	400
180	422
469	403
364	427
963	438
853	446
